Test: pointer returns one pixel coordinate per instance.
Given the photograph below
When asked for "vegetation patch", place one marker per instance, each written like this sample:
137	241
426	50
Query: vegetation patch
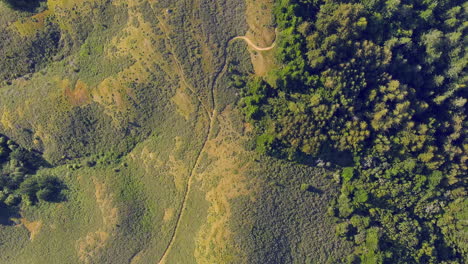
19	182
379	88
224	180
33	227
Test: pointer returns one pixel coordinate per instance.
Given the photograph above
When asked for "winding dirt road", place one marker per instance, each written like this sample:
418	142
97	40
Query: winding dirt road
212	117
255	47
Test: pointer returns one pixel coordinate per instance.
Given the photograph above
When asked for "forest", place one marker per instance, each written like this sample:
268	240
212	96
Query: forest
378	89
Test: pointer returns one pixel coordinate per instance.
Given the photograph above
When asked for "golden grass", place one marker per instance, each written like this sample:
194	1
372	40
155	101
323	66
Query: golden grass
7	119
183	103
224	180
168	214
66	12
29	26
33	227
79	95
90	245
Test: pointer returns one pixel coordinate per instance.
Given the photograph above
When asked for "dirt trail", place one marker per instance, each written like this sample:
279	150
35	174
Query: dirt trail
212	116
255	47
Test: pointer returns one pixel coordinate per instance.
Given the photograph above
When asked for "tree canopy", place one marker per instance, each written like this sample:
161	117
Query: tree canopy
384	81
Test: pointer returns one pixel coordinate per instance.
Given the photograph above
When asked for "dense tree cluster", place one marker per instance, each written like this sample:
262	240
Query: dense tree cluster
18	179
386	82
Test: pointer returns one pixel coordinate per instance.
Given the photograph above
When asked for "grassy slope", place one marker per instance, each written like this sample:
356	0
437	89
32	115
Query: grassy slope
117	81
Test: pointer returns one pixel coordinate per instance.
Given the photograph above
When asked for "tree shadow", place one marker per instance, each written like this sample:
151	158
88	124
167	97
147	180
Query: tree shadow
309	188
7	213
24	5
313	189
326	154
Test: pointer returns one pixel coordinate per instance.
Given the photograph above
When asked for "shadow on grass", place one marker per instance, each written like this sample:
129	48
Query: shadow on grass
7	213
23	5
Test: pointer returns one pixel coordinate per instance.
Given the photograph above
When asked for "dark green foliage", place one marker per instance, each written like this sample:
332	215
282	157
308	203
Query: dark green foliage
45	188
21	56
19	181
385	81
255	95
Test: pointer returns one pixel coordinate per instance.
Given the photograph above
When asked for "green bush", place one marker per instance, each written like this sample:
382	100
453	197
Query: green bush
46	194
347	174
343	229
264	143
360	222
306	187
12	200
360	196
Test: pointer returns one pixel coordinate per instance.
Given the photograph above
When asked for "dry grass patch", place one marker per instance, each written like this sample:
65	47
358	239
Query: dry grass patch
91	245
29	26
142	43
259	15
7	119
183	103
168	214
79	95
214	240
179	170
34	227
67	12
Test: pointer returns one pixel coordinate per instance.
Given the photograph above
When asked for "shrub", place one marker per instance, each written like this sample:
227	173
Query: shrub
46	194
342	229
29	188
264	143
347	174
12	200
306	187
360	222
360	196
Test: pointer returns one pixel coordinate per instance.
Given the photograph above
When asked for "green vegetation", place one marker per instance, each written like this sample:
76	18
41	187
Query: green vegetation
19	182
24	56
384	82
129	108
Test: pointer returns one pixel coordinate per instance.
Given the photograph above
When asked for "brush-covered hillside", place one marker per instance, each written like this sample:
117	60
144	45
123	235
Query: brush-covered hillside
233	131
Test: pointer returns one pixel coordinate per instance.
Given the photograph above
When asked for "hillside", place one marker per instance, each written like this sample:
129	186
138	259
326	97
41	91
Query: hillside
131	104
231	131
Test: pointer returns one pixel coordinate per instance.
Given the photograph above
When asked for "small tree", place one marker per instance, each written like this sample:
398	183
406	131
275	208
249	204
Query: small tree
347	174
29	188
12	200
